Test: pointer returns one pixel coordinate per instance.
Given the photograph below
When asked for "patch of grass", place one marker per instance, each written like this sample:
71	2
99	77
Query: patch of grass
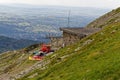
98	60
117	10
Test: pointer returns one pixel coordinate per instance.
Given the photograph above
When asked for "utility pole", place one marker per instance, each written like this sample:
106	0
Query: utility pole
69	12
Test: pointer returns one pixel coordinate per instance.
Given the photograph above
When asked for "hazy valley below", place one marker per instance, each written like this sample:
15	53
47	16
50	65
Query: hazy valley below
35	22
27	24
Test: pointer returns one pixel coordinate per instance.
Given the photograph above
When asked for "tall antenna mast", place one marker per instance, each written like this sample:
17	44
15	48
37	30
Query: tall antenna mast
69	18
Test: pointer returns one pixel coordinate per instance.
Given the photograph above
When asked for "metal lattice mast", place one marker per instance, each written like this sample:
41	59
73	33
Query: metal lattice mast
69	13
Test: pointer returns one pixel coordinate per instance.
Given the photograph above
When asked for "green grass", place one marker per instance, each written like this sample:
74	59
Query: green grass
99	60
14	62
117	10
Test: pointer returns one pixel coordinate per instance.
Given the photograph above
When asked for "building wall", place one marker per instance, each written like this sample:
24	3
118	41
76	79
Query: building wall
67	39
56	42
71	38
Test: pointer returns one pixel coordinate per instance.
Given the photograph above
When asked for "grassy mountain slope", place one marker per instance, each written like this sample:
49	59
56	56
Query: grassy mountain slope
14	64
109	18
94	58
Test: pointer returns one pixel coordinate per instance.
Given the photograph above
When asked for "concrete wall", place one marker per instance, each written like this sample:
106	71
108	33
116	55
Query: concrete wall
67	39
71	38
56	42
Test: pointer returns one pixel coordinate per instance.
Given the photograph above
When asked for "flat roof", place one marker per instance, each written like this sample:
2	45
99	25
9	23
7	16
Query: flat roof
81	30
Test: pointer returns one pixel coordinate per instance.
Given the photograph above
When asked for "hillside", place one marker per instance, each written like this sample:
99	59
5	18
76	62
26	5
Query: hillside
98	59
95	57
109	18
13	63
7	43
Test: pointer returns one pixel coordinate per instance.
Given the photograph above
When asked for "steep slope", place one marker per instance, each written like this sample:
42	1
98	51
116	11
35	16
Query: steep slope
95	57
7	43
111	17
14	64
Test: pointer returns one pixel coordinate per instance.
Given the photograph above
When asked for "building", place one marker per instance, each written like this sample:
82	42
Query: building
71	35
56	41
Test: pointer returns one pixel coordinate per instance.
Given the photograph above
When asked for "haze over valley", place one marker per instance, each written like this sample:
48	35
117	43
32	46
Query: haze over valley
35	22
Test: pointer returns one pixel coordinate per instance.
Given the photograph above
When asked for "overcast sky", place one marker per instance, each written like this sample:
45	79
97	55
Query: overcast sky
77	3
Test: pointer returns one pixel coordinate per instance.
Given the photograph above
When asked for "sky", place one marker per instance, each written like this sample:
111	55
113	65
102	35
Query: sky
75	3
